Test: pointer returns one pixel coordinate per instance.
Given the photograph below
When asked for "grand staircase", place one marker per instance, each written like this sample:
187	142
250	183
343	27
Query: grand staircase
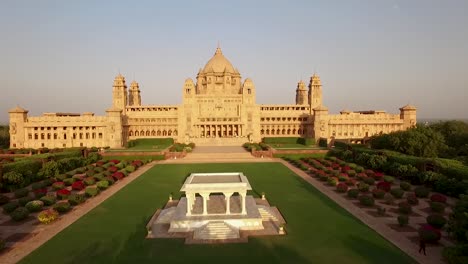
267	214
218	156
216	230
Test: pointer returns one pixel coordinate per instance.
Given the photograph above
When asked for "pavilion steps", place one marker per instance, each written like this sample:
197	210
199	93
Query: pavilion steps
267	214
216	230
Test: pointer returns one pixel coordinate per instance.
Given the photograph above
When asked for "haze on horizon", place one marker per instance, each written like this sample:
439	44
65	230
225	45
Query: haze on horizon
62	56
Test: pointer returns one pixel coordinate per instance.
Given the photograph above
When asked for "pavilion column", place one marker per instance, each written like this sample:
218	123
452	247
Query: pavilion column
205	197
189	203
243	202
228	202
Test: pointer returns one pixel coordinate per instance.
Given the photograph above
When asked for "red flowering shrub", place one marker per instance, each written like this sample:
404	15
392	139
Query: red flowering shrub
369	173
63	194
118	175
351	182
58	185
113	169
438	198
100	163
385	186
361	176
115	161
378	193
38	193
343	177
137	163
378	176
78	185
345	168
342	187
429	234
335	165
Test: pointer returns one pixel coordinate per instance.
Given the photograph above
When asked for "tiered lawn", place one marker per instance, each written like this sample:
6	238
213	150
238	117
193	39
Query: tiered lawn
319	231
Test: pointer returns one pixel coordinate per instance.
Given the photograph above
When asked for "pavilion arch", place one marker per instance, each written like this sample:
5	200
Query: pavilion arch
153	133
164	133
169	133
137	133
262	132
299	131
278	131
273	131
283	131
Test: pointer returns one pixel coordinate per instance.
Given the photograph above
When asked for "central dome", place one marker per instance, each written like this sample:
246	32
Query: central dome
218	63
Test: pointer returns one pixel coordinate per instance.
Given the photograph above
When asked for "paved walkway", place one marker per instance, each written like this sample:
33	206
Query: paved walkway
218	149
45	232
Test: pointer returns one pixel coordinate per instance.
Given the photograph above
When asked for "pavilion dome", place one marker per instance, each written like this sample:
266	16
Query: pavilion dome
218	63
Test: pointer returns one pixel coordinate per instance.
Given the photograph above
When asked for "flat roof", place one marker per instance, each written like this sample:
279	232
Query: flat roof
219	181
216	179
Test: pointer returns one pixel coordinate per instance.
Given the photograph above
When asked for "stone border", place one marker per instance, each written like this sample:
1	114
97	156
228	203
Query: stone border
24	248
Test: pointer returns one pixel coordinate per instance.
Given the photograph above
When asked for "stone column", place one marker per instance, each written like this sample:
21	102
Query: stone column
205	197
243	195
188	196
228	202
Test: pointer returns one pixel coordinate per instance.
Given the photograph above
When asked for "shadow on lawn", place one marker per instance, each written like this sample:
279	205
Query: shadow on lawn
137	249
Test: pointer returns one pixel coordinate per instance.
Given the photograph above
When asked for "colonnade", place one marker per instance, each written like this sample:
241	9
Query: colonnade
219	130
191	198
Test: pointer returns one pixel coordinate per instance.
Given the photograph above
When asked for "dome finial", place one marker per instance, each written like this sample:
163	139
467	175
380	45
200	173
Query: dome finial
218	49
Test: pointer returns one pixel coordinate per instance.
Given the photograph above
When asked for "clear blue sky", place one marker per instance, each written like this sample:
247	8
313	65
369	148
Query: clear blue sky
64	55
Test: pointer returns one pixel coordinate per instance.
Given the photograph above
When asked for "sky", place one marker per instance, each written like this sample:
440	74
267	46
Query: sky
62	56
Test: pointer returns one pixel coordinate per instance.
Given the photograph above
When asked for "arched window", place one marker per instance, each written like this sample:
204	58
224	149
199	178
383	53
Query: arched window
272	131
148	133
262	132
169	133
159	133
289	131
164	133
283	131
137	133
153	133
175	132
131	133
142	133
278	131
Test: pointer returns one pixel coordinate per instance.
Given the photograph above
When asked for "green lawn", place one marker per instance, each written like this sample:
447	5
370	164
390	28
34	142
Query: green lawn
292	146
147	144
319	231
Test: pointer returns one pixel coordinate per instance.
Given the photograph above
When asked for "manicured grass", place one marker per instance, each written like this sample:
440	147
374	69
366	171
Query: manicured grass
152	157
319	231
148	144
292	146
299	156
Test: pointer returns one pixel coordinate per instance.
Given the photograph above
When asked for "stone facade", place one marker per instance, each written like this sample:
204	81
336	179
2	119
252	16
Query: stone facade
219	109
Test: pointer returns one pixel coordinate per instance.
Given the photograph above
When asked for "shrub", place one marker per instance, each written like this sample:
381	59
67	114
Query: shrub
421	192
34	206
361	176
110	180
91	191
21	193
388	198
24	200
363	187
378	193
332	181
102	185
359	169
69	181
90	173
353	193
389	179
412	199
366	200
342	187
37	185
404	208
78	185
98	169
79	177
385	186
438	198
397	193
62	206
99	177
10	207
378	176
47	216
13	178
89	181
405	186
343	177
369	180
351	182
351	173
436	220
76	198
323	177
403	220
63	194
381	211
48	199
19	214
4	199
429	234
130	168
58	185
437	207
61	177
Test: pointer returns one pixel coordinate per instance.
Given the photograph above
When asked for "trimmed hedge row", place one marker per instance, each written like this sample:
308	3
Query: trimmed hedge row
288	140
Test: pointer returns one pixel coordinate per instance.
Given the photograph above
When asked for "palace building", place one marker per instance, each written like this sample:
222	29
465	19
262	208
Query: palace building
218	108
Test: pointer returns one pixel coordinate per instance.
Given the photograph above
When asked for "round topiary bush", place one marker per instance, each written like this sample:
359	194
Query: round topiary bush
48	199
61	177
4	199
38	193
91	191
34	206
130	168
437	207
76	198
412	199
332	181
10	207
366	200
351	182
62	206
78	185
429	234
378	193
343	177
89	181
436	220
404	208
342	187
24	200
69	181
102	185
58	185
109	179
397	193
363	187
21	193
406	186
13	178
118	175
19	214
47	216
389	199
369	180
63	194
438	198
382	185
421	192
353	193
323	177
403	220
388	179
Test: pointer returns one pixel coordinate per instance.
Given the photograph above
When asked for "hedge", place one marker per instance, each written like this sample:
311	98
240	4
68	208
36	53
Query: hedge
288	140
25	167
